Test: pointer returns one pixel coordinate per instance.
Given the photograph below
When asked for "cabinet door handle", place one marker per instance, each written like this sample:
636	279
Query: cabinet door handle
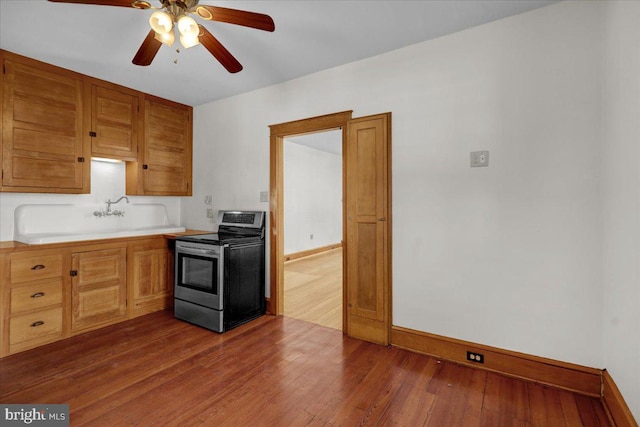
36	324
145	166
73	273
38	267
37	295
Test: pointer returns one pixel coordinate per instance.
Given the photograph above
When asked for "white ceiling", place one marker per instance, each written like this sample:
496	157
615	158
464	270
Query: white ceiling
310	36
329	141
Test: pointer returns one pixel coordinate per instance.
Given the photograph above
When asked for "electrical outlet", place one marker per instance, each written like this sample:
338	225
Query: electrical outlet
310	236
479	159
264	196
475	357
209	213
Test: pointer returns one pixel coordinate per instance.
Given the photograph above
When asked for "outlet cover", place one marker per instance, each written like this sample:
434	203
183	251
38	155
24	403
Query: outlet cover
209	213
264	196
479	159
208	199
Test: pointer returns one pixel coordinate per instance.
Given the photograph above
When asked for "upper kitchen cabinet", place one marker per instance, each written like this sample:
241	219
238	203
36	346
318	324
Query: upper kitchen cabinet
164	162
43	148
114	125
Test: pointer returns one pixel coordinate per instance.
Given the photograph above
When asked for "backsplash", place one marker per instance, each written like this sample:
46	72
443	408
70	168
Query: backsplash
107	182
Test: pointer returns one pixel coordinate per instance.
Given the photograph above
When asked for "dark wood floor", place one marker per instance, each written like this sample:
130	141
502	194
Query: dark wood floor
156	370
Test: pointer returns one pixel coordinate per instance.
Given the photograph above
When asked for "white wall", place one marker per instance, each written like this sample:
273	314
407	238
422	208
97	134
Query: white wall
107	182
621	191
538	253
312	197
509	255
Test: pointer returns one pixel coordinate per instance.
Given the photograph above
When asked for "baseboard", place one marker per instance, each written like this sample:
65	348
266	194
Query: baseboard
541	370
613	402
309	252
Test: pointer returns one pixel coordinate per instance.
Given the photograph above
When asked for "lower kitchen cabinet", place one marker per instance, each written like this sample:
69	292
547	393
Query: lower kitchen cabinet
98	287
67	289
34	329
32	296
150	287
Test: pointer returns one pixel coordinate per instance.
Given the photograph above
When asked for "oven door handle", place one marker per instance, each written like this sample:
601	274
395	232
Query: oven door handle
192	251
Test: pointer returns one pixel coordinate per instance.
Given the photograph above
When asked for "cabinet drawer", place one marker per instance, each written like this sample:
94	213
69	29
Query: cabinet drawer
30	330
35	266
36	297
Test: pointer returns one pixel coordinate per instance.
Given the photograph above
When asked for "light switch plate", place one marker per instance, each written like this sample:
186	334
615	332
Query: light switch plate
208	199
264	196
479	159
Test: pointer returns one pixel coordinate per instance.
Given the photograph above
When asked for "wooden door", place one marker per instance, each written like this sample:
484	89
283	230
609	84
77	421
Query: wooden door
43	148
367	202
98	287
114	121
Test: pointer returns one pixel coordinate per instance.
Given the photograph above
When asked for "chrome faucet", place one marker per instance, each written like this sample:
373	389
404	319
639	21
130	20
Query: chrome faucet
109	203
109	212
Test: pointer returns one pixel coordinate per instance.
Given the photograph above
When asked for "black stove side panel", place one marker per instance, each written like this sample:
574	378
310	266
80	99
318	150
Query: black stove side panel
244	285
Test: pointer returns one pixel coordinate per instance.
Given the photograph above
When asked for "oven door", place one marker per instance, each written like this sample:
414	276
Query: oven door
199	276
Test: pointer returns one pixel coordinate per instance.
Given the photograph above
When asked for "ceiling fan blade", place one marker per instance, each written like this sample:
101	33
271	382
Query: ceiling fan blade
238	17
121	3
220	52
148	50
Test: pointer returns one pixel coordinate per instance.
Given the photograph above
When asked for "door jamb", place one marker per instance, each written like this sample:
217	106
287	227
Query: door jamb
275	302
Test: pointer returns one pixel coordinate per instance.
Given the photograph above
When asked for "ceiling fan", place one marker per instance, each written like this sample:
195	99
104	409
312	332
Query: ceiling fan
174	14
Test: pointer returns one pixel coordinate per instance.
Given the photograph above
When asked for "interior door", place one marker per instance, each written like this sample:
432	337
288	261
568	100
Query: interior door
368	228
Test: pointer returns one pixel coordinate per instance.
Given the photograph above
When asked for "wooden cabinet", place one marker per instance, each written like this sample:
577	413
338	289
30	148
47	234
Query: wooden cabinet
33	300
54	120
150	287
43	149
113	119
98	287
165	161
67	289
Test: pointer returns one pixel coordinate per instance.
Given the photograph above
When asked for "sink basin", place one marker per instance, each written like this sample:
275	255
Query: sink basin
40	224
38	239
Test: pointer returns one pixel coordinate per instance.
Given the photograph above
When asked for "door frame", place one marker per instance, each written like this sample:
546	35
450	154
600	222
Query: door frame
275	302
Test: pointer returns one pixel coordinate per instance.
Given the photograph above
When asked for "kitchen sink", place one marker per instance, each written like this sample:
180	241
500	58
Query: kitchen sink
49	223
38	239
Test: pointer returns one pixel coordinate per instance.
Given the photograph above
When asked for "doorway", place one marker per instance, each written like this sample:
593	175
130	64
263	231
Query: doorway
366	169
313	228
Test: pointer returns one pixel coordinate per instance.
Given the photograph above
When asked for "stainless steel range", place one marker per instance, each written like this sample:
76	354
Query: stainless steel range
220	277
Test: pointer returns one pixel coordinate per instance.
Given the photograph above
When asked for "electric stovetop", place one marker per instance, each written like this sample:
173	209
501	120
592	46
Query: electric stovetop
234	227
220	238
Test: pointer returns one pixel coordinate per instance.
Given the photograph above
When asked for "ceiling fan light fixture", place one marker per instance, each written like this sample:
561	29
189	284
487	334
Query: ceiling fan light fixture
189	40
166	38
161	22
188	26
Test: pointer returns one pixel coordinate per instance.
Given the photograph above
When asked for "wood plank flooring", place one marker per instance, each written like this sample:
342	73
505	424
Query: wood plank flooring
313	288
274	371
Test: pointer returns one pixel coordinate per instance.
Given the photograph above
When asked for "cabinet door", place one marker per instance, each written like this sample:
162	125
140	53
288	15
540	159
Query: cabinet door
149	284
166	160
114	121
42	120
98	287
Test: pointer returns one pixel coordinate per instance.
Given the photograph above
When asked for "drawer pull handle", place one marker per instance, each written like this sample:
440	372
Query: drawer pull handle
37	267
37	295
36	324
